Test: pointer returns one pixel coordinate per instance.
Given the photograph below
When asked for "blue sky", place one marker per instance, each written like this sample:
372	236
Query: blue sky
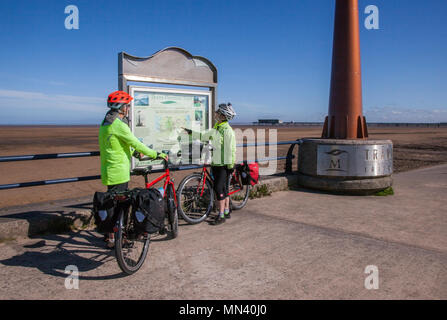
273	57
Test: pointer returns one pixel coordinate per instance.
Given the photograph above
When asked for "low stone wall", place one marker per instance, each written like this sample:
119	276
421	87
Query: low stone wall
278	182
66	215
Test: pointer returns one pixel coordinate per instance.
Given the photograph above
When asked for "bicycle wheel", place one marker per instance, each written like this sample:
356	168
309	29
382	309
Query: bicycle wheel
130	247
172	213
238	192
193	204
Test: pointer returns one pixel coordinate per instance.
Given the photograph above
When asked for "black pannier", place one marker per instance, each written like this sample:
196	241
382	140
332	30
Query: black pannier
148	210
242	170
104	211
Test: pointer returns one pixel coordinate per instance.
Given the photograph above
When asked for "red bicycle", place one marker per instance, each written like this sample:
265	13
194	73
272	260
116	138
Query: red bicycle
131	247
168	193
196	195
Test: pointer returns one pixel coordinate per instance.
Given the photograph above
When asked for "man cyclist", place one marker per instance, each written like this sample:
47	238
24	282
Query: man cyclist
115	143
224	157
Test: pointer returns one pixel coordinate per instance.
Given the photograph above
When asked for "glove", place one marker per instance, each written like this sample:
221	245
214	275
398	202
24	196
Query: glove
136	154
162	155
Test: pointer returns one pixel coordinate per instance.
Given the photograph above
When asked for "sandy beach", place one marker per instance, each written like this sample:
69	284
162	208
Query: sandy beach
414	147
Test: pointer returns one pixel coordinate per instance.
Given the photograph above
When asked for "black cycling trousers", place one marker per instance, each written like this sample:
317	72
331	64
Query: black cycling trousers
117	188
221	174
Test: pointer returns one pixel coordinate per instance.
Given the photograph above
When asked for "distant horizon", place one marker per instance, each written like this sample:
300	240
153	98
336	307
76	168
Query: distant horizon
232	123
273	59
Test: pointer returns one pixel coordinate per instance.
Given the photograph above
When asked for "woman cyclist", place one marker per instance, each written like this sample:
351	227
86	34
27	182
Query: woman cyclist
115	143
224	157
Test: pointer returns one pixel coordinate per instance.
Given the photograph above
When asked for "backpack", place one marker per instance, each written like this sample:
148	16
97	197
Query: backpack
104	211
148	210
249	173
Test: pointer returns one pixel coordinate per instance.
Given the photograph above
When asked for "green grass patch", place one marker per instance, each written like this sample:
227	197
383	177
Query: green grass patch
260	192
387	192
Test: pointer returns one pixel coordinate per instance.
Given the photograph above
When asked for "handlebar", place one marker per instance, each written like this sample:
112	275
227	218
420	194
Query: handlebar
147	170
165	162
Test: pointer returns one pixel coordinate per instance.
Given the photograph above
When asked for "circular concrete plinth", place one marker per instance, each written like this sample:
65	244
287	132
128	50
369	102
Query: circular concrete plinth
346	166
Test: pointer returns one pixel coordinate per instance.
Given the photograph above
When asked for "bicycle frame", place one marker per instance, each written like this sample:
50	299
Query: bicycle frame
168	181
205	175
237	180
148	185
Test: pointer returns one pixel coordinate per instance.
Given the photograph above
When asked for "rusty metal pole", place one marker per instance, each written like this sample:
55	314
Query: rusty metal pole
343	160
345	119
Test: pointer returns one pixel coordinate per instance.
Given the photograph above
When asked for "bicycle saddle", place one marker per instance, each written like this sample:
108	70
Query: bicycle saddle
142	171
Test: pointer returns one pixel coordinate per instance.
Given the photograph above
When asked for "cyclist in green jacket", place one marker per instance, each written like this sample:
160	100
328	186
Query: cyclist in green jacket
115	143
224	157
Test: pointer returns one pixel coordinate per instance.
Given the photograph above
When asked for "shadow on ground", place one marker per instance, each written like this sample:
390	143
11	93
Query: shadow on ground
56	219
70	249
332	193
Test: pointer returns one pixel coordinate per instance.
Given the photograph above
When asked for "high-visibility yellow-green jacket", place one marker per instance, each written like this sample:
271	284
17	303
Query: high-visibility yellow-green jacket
115	142
225	143
223	139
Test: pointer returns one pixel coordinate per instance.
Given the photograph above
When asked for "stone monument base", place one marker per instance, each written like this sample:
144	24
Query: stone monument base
346	166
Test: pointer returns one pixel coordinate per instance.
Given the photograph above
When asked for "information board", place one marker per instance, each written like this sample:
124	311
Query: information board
158	114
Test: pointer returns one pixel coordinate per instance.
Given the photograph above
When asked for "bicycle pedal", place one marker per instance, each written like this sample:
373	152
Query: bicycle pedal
144	236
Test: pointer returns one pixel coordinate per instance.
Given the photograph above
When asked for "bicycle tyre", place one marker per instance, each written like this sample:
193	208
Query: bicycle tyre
243	194
172	212
200	206
120	242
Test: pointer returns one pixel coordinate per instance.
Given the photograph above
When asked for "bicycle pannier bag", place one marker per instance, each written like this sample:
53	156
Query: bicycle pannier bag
148	210
243	173
104	211
249	173
254	173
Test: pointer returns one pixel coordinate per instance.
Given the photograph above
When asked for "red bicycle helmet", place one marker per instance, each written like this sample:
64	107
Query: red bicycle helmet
117	99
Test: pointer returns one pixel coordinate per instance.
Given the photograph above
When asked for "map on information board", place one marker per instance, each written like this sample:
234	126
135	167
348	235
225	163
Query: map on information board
158	115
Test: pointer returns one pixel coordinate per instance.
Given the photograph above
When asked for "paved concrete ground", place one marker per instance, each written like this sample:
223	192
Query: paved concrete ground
295	244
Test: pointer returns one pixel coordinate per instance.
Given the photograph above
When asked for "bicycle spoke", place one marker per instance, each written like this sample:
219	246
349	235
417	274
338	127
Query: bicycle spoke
194	199
132	250
131	247
238	192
